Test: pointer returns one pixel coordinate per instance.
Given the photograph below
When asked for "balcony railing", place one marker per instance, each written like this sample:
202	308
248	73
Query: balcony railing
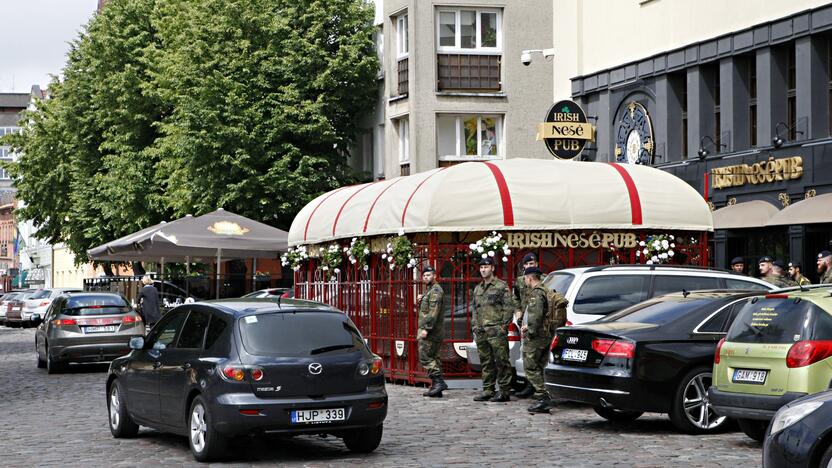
402	69
469	72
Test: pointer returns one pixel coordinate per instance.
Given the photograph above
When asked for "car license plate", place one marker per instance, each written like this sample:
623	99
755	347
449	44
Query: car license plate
750	376
574	355
317	416
102	329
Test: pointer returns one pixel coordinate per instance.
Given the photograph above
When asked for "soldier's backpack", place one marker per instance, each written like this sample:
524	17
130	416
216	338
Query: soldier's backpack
555	311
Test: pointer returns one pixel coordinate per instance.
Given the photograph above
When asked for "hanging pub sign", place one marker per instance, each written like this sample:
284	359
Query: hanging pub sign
565	131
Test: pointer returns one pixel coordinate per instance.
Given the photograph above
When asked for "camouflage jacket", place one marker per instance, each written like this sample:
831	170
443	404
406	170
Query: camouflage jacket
493	304
802	280
826	278
779	281
521	292
430	313
535	313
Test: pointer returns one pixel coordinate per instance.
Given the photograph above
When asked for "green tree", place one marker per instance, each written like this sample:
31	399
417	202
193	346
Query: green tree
169	107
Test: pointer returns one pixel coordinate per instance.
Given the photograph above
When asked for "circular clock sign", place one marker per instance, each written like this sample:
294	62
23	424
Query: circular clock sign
634	136
565	131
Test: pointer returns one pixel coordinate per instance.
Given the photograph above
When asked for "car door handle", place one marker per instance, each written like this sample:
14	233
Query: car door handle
186	366
157	365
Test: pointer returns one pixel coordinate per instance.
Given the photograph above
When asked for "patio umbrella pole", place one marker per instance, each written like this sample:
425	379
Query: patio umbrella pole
219	259
253	274
162	276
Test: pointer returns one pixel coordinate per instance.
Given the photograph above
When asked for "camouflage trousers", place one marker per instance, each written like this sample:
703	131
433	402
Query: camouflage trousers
496	369
535	358
429	357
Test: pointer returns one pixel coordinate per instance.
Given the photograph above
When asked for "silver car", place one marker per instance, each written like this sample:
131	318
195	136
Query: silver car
38	302
4	305
85	327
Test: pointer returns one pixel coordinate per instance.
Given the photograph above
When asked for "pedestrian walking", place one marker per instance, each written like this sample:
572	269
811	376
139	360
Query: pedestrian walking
430	333
738	265
536	338
796	275
149	303
825	266
768	272
521	296
493	306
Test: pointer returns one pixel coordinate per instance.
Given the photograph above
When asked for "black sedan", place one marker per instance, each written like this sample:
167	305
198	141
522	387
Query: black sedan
801	434
656	356
212	371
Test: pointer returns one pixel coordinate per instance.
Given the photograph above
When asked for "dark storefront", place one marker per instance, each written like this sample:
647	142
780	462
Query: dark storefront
745	118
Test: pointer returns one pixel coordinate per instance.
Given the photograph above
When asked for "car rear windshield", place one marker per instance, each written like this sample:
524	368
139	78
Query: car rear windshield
42	294
95	305
299	334
780	321
559	282
656	312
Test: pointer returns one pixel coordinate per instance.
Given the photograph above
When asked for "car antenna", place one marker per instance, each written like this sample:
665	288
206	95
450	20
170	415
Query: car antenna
278	303
685	293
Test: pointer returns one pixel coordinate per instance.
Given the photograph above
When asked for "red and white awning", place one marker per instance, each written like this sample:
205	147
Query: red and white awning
510	195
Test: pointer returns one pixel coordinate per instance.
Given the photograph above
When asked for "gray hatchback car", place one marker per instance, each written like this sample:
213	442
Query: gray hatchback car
85	327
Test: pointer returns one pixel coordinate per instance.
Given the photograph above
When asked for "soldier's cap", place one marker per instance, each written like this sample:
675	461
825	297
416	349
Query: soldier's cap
486	261
824	254
529	257
532	271
736	260
778	263
794	265
765	259
428	269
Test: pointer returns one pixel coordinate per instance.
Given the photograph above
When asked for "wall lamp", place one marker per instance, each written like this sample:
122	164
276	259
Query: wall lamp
526	55
777	141
703	153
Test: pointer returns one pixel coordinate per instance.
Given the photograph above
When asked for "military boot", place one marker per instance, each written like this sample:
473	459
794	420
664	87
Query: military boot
440	385
432	388
484	396
527	391
541	406
500	397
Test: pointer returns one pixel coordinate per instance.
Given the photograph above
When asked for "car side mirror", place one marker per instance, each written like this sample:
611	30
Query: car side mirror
159	346
37	319
137	342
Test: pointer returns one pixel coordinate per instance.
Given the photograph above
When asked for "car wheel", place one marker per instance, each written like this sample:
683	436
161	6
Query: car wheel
826	458
121	424
753	428
364	440
53	367
613	414
691	411
206	443
41	362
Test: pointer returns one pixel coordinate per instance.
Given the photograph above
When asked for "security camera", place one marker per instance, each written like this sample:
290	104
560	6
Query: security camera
526	55
526	58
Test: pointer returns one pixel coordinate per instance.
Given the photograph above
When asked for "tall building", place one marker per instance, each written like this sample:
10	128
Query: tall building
455	89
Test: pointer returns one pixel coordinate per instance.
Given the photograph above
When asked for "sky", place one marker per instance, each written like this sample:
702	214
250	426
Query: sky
35	36
34	39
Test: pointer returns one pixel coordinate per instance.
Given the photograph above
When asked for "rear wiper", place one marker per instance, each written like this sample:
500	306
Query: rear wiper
327	349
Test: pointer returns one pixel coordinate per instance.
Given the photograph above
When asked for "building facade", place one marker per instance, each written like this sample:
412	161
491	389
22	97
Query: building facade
742	112
455	88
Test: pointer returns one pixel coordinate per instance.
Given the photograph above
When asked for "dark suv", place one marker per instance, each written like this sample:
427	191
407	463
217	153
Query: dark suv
215	370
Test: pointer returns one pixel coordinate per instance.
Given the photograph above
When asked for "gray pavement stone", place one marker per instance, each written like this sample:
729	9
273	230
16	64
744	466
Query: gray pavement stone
61	421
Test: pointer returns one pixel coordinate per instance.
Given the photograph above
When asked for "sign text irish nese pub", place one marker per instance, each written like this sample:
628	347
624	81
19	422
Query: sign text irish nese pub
565	130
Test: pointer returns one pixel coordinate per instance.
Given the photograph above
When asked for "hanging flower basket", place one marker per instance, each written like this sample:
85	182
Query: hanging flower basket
399	252
493	246
295	257
358	252
657	249
331	259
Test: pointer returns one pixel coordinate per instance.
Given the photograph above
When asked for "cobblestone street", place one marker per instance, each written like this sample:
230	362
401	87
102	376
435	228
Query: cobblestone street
62	421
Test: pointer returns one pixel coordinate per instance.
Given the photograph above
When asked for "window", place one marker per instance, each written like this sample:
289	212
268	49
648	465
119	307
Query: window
307	334
604	294
559	282
684	102
402	40
747	285
717	112
752	100
193	333
469	30
791	96
468	136
404	140
166	333
96	305
215	331
775	321
675	284
721	321
656	313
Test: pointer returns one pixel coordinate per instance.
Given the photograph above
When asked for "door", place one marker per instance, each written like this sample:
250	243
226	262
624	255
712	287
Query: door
142	378
178	367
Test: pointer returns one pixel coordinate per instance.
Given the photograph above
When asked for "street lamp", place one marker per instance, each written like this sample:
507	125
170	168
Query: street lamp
777	141
703	153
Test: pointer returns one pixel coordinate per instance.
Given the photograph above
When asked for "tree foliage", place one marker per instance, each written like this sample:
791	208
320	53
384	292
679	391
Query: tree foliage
170	107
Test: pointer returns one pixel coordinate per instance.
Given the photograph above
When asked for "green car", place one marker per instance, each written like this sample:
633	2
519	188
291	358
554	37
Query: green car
778	349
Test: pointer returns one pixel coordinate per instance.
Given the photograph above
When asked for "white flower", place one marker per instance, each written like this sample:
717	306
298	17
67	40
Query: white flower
326	268
366	251
663	256
654	258
656	245
649	262
472	246
672	245
642	243
383	256
366	267
671	237
646	251
665	244
321	249
638	253
670	253
480	250
484	256
337	270
479	242
505	259
507	251
392	266
490	253
390	259
352	260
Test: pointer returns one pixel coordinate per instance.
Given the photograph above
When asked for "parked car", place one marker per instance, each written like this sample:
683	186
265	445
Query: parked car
655	357
800	434
85	327
14	308
594	292
39	301
778	349
211	371
282	293
4	305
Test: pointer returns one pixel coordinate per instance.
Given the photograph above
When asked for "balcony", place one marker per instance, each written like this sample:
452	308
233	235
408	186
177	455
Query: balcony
469	72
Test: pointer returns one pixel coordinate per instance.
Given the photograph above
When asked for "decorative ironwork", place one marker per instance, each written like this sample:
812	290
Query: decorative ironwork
811	193
732	201
784	198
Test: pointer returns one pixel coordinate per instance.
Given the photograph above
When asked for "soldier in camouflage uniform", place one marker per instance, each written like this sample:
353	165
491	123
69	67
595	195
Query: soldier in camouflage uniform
429	335
796	275
769	274
825	267
493	306
778	268
536	339
521	296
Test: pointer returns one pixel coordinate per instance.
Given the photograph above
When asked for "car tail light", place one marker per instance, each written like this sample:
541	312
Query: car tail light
65	322
513	332
718	350
375	366
128	319
285	295
777	296
257	373
44	303
804	353
614	348
554	343
250	412
568	323
235	373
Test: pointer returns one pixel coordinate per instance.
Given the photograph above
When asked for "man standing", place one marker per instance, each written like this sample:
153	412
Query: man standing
521	296
536	338
767	272
738	265
778	268
493	306
430	333
796	275
825	267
